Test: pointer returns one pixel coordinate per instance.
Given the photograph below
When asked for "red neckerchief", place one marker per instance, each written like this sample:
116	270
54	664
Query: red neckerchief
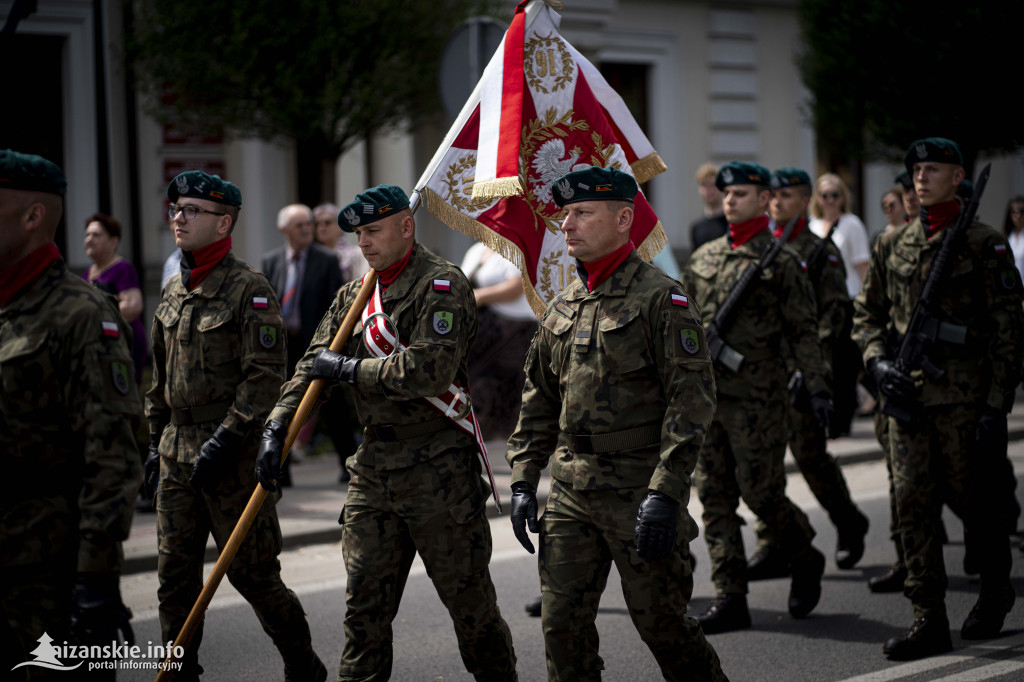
801	223
741	233
597	271
196	265
934	218
28	268
391	272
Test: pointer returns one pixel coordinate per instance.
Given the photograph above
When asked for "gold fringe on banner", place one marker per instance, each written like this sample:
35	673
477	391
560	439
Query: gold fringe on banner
654	243
460	222
646	168
497	188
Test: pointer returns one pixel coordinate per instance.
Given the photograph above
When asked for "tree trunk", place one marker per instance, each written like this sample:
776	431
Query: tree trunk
316	172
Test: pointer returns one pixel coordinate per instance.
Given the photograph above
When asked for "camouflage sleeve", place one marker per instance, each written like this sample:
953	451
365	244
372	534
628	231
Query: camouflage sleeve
157	412
264	357
800	322
1006	348
535	437
871	307
688	383
102	393
833	300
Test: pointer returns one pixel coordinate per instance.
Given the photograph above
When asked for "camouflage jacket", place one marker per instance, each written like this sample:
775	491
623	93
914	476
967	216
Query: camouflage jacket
779	306
433	309
66	444
830	294
629	354
222	343
982	294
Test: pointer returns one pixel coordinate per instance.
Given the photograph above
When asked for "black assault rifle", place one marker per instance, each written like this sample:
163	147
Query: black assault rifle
818	252
925	328
721	351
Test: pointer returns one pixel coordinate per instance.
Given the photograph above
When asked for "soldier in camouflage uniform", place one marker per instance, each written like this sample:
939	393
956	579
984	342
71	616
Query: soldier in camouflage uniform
218	362
416	483
791	193
619	392
950	448
66	440
744	449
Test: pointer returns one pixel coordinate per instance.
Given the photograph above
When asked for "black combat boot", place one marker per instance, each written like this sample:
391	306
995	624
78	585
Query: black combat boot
307	668
890	581
726	613
850	543
986	618
767	563
926	637
805	588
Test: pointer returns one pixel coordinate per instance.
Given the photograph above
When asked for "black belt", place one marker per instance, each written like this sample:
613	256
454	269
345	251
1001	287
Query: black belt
615	441
397	432
187	416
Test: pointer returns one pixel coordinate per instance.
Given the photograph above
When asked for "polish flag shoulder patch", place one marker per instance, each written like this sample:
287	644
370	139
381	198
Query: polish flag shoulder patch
999	248
442	285
679	299
803	266
259	302
111	330
833	259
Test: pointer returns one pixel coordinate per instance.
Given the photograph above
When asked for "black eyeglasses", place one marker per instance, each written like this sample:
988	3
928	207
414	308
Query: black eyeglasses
190	212
830	195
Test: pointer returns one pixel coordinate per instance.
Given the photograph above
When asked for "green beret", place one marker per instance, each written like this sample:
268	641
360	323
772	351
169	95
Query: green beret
742	173
790	177
937	149
31	173
372	205
202	185
594	184
904	180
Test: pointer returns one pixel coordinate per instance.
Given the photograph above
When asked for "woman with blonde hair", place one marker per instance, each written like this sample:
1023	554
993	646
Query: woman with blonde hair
831	203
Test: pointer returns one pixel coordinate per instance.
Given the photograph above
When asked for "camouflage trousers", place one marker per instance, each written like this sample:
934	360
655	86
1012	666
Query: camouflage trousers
809	445
882	434
436	509
935	459
35	599
185	519
582	533
742	457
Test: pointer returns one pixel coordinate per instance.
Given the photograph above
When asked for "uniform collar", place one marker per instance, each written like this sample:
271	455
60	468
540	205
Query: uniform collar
616	284
33	294
211	284
406	279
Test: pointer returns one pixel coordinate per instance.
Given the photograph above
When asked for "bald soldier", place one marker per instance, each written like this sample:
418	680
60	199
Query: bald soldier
66	443
619	392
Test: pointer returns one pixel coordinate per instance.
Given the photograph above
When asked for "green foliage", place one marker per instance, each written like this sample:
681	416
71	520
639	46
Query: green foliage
883	74
324	72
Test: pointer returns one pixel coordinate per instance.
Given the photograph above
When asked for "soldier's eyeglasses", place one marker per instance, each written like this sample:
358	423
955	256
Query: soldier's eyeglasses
190	212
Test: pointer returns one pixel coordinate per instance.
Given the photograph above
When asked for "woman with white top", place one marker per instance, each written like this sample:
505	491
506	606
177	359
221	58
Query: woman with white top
1013	228
831	203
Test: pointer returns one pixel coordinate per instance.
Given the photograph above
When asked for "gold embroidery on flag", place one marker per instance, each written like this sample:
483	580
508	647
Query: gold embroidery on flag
546	59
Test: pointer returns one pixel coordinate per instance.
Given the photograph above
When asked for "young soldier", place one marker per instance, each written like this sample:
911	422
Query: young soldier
791	194
416	483
744	449
620	389
956	415
219	355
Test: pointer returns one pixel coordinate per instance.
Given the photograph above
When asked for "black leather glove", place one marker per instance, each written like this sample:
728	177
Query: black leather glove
268	461
991	432
822	409
98	615
656	526
152	467
524	513
333	367
890	380
214	456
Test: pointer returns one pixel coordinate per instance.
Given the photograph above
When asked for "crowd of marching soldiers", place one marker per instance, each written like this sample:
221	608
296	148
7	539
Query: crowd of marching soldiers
638	386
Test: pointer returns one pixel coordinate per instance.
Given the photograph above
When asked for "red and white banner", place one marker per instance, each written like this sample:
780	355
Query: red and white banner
539	111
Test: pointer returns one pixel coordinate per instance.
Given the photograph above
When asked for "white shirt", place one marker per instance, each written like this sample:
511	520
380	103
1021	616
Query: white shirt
495	270
851	238
1016	240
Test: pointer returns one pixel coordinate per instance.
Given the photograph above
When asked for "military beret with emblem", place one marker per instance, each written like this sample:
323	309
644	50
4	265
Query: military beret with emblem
936	149
789	176
904	180
30	173
372	205
594	184
742	173
200	185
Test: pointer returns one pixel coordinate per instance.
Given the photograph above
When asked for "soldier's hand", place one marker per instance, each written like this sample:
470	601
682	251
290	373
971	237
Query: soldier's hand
656	526
268	461
890	380
524	513
152	467
822	409
334	367
98	616
214	455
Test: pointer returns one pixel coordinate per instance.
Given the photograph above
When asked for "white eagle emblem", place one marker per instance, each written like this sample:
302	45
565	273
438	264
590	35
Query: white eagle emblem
922	151
549	165
350	216
727	176
565	189
181	182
